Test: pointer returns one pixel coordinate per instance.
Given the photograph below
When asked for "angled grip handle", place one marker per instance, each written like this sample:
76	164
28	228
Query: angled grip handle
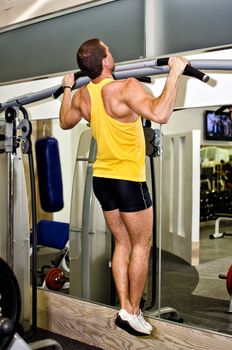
189	70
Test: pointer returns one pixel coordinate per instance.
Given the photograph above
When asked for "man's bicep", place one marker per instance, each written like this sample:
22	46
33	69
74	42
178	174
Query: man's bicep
72	117
75	113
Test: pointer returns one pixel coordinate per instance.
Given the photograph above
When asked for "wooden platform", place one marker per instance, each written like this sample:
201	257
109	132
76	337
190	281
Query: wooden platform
94	324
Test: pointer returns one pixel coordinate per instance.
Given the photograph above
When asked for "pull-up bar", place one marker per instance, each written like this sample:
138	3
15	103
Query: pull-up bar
134	69
189	70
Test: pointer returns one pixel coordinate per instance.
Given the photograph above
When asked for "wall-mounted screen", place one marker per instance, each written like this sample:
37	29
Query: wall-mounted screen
218	126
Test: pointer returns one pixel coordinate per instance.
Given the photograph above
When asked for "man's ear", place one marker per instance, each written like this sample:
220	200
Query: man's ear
105	62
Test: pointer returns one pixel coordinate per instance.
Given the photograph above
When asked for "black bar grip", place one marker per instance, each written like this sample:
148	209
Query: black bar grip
144	79
162	61
193	72
78	75
60	90
189	70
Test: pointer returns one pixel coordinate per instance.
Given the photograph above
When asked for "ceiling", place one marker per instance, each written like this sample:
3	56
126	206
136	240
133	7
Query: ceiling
6	4
17	11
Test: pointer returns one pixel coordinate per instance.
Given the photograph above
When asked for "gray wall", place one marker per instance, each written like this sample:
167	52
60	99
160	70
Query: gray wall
50	46
183	25
172	26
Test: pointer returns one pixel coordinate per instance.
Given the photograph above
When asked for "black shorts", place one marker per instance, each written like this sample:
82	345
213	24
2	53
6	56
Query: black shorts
127	196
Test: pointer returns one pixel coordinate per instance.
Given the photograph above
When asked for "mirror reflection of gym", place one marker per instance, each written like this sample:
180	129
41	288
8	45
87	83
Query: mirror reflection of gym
101	244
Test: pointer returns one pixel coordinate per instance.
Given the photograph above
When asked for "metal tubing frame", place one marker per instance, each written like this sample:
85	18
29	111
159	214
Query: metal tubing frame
86	239
160	222
9	149
10	206
134	69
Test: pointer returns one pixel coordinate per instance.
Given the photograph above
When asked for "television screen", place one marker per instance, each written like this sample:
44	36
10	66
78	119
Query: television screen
218	126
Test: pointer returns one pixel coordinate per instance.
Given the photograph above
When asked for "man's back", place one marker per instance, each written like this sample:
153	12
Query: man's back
120	145
113	96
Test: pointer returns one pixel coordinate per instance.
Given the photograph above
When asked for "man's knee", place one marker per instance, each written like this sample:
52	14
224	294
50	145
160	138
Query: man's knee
142	248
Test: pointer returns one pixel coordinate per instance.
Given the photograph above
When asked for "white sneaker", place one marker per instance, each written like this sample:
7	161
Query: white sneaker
146	324
131	323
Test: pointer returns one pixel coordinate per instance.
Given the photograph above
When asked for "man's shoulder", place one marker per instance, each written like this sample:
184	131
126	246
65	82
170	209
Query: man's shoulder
80	95
129	80
82	91
122	83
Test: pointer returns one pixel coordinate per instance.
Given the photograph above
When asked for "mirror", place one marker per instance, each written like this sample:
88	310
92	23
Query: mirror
190	292
191	284
189	277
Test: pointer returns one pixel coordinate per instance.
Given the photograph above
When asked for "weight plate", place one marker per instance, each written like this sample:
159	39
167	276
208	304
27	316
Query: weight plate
55	278
229	280
10	300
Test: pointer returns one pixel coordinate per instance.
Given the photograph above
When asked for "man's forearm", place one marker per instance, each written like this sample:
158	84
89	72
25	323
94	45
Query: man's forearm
65	107
165	103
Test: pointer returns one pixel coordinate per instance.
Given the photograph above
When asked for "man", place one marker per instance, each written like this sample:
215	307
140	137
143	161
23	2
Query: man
113	109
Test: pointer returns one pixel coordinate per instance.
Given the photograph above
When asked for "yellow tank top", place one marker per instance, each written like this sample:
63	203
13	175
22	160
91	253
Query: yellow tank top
120	146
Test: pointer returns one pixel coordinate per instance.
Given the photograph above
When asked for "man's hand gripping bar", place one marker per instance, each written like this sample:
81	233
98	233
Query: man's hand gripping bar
60	90
189	70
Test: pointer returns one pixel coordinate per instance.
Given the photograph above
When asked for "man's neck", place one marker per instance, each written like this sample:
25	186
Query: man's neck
105	75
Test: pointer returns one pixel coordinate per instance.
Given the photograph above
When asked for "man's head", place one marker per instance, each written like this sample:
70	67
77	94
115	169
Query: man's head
92	56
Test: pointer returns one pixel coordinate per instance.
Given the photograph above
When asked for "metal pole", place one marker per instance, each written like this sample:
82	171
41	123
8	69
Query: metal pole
10	151
86	237
10	211
160	221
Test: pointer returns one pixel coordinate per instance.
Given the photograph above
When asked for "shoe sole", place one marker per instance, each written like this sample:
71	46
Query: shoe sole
127	327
